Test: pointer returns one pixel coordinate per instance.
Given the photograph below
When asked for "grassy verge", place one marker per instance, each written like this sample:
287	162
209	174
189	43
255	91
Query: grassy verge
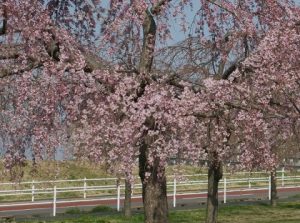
284	213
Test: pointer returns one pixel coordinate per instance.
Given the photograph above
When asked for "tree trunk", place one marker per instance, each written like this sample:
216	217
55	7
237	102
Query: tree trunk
274	196
154	189
214	175
127	200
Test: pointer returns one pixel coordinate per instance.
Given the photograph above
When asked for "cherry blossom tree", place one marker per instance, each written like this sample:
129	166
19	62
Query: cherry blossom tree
279	101
33	81
133	111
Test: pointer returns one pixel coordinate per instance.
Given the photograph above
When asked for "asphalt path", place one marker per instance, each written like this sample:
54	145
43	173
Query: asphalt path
192	200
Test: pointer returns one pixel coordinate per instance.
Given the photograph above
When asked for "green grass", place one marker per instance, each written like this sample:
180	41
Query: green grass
73	211
296	196
261	213
97	209
101	209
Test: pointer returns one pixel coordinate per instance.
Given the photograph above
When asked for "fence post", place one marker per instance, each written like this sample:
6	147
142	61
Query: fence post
174	192
118	195
54	201
32	191
84	188
269	188
132	187
249	183
282	177
225	188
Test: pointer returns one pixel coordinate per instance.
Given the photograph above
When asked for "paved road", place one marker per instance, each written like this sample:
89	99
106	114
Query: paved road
182	200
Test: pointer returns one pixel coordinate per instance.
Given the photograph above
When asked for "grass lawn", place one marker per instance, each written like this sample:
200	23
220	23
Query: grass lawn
284	213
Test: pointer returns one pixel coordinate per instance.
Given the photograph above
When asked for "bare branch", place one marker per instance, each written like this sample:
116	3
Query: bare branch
219	4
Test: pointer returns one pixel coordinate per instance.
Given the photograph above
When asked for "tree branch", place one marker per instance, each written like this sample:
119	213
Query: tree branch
4	23
149	33
9	72
156	9
9	51
214	2
229	71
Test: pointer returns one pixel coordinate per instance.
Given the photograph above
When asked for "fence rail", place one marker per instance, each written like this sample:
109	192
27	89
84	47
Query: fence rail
175	186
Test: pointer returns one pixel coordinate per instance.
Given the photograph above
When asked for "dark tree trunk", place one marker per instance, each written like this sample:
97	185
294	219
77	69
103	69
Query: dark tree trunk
127	200
154	186
274	196
154	189
215	173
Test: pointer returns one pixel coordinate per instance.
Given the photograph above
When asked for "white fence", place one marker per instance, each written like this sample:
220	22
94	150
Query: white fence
175	185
